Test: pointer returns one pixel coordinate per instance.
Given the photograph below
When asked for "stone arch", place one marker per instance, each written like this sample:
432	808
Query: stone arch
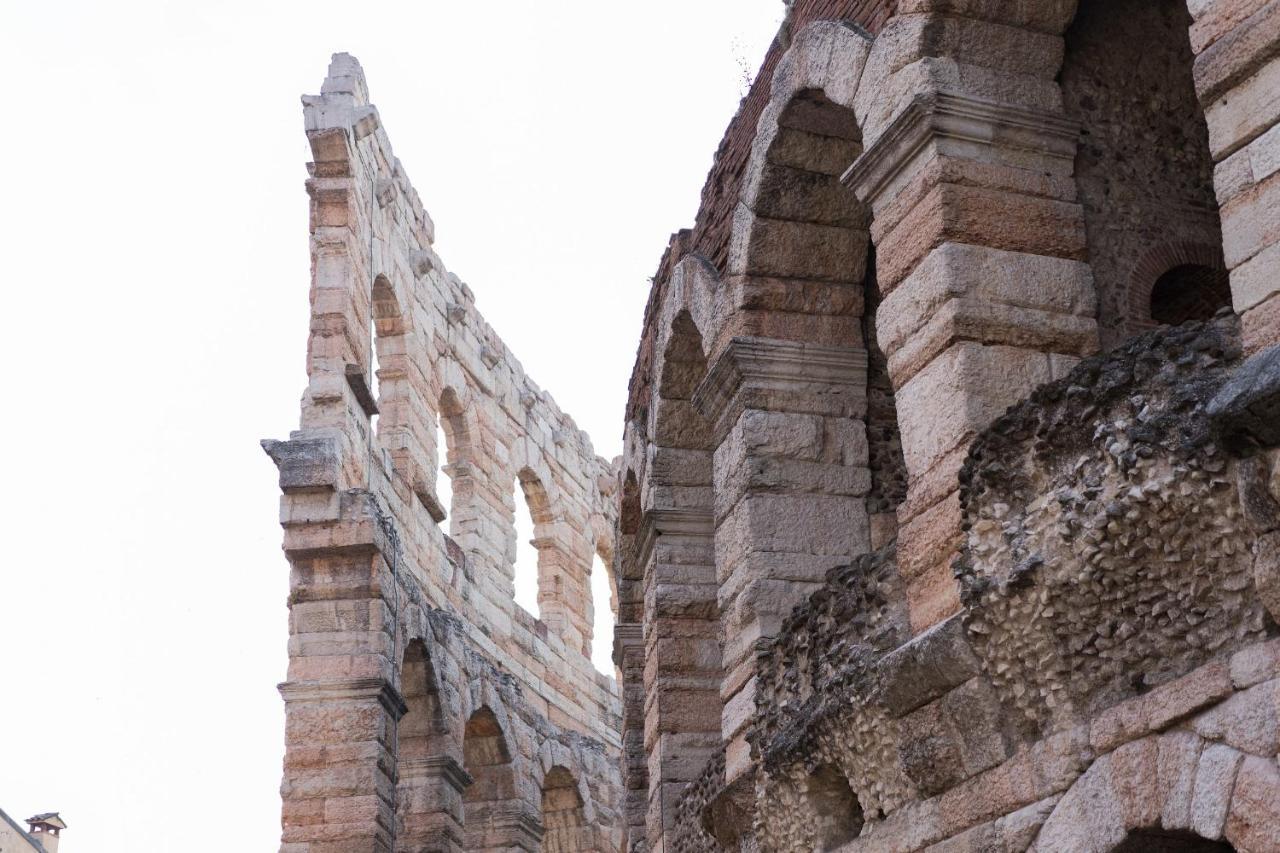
456	460
429	781
394	392
675	564
1175	788
1143	168
1176	282
492	801
564	819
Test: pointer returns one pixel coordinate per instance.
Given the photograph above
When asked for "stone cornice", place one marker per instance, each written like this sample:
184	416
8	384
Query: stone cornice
437	766
344	689
769	364
671	522
626	634
943	115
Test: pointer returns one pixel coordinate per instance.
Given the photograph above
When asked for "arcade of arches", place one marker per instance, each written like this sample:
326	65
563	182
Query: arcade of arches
948	512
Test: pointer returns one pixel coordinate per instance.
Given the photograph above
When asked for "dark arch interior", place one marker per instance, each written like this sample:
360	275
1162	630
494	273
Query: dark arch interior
1161	841
1189	292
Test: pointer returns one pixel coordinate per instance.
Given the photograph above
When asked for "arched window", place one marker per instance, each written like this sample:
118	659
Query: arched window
1189	292
565	829
453	482
603	602
388	354
526	553
444	480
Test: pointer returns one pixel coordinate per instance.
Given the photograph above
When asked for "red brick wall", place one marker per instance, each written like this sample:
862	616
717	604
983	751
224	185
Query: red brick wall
709	236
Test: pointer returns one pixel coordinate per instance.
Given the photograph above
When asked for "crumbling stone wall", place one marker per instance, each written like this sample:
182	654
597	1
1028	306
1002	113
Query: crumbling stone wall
424	708
1027	184
1115	667
1143	164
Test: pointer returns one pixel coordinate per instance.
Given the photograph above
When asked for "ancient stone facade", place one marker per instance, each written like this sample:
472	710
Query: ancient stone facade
425	710
949	508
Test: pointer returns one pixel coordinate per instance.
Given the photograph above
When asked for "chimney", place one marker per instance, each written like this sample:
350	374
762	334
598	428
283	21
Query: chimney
47	829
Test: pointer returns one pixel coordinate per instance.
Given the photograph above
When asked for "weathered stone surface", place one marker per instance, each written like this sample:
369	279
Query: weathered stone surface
1069	643
1247	409
1254	820
423	708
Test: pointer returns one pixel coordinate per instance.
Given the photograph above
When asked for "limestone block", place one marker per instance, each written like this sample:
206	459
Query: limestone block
779	247
1257	663
927	667
1254	820
1088	819
1250	222
1216	18
1245	112
1050	16
1238	53
1260	325
1134	776
1179	754
1215	777
962	391
986	275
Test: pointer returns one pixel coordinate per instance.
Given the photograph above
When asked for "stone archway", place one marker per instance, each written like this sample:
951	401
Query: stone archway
1175	788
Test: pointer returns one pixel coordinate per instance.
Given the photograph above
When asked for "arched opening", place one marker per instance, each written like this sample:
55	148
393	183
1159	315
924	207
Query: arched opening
444	480
603	604
1189	292
839	815
1143	167
490	801
684	366
563	817
420	740
537	579
678	586
453	482
1165	841
387	372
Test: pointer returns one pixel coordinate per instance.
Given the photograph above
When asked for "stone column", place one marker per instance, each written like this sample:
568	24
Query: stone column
681	657
430	794
1237	74
790	477
628	657
562	597
341	705
986	293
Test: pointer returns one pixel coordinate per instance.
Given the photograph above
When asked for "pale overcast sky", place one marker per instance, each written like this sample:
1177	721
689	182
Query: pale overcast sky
155	257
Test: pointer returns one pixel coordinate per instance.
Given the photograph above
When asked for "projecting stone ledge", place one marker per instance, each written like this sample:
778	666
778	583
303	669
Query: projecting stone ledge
1247	409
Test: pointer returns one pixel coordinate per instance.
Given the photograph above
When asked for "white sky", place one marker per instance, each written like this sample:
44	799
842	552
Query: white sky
155	256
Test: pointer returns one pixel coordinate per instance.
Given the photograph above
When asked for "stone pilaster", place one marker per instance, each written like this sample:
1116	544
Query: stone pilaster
790	474
628	657
430	805
986	294
505	827
681	658
1237	75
